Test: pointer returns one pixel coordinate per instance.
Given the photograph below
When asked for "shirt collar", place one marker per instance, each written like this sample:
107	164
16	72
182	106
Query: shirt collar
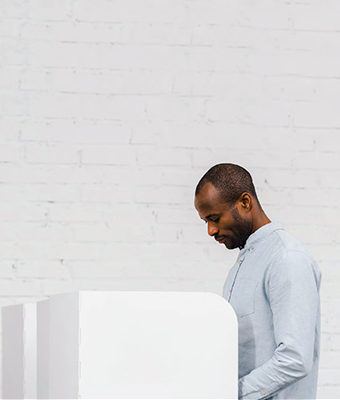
261	233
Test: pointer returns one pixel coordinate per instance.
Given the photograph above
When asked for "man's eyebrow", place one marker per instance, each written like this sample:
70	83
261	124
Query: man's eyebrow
210	215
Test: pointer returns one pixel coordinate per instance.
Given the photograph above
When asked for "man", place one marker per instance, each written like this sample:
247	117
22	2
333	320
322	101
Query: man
273	288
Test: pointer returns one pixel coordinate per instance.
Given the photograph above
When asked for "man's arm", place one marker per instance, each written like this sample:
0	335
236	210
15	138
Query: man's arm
292	290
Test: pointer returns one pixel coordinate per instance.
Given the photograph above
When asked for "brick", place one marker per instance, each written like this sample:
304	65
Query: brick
130	11
93	32
181	177
101	132
9	250
281	197
317	160
222	84
10	78
315	197
42	30
328	392
18	212
319	115
32	231
120	108
10	128
316	234
163	194
314	18
89	174
310	64
116	82
215	12
248	159
167	233
105	194
76	132
13	104
32	79
320	42
273	113
10	27
51	269
125	213
7	269
215	58
312	139
169	34
54	105
325	252
327	377
226	35
54	10
170	156
13	9
189	134
118	56
290	178
144	234
89	270
12	51
178	215
75	212
289	88
53	54
267	15
219	109
326	90
329	359
46	153
11	152
23	173
330	289
147	132
15	288
195	234
335	342
50	288
108	155
92	232
43	192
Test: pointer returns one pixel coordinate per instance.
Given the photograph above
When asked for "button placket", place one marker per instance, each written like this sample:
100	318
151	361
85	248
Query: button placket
239	262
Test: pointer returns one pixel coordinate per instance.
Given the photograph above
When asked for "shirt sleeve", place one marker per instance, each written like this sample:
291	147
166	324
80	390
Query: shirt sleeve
292	288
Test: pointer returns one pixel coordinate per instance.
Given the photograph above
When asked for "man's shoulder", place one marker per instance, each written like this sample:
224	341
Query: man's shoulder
284	244
288	253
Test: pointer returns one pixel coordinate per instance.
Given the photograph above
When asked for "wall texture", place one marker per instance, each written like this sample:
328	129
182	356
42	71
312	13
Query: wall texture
111	111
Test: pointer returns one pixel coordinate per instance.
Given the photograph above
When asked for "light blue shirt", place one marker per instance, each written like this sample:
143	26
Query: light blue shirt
274	289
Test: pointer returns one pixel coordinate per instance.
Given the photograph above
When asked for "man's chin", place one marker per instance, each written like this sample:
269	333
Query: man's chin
230	245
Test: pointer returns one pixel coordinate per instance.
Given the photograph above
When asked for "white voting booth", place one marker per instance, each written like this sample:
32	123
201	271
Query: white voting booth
108	345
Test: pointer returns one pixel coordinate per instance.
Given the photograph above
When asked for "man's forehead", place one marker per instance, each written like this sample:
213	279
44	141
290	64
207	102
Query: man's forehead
209	194
208	198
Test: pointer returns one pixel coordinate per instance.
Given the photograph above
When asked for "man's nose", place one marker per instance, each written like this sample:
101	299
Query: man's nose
212	229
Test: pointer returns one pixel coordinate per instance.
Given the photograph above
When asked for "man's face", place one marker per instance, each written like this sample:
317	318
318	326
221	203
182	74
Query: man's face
229	225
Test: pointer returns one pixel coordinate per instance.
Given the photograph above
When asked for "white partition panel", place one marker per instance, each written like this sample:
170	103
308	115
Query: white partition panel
19	352
106	345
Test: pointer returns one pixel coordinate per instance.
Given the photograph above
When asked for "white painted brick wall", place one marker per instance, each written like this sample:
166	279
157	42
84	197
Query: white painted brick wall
112	110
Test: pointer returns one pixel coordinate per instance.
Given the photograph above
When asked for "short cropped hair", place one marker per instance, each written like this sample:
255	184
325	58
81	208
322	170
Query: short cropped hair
230	180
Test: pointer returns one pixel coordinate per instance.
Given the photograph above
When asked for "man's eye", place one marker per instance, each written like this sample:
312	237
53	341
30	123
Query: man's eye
215	220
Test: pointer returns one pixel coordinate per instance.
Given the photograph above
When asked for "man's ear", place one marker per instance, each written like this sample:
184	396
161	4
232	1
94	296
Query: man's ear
246	201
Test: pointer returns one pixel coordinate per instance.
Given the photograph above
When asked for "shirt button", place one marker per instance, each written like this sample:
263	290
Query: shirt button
239	261
229	290
252	248
263	394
